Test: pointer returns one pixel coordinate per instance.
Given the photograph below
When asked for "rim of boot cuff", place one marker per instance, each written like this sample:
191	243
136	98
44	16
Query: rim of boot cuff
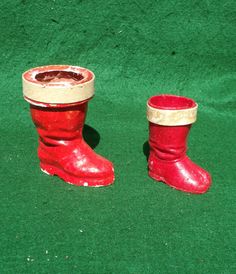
58	84
172	117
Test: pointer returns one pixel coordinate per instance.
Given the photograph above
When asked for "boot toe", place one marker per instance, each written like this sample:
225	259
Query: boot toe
204	182
100	169
198	181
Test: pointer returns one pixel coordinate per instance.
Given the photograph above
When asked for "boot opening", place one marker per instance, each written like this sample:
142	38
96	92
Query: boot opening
171	102
57	76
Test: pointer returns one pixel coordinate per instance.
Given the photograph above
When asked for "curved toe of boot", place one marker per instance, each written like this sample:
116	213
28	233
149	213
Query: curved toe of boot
201	180
92	170
98	168
194	184
191	177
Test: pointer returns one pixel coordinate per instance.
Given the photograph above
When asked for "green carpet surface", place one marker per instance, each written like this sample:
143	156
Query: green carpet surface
136	49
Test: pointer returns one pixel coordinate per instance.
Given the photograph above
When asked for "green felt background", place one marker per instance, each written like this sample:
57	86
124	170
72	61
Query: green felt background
136	49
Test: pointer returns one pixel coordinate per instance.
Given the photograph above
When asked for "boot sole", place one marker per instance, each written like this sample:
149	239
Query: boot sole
73	180
161	179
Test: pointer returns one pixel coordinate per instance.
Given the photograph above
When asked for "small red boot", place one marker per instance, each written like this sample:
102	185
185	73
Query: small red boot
170	118
58	97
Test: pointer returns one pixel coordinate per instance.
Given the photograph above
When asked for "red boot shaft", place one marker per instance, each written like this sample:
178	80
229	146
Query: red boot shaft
55	124
168	144
62	150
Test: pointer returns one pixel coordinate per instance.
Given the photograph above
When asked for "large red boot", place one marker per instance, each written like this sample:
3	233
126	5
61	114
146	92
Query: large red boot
170	118
58	97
